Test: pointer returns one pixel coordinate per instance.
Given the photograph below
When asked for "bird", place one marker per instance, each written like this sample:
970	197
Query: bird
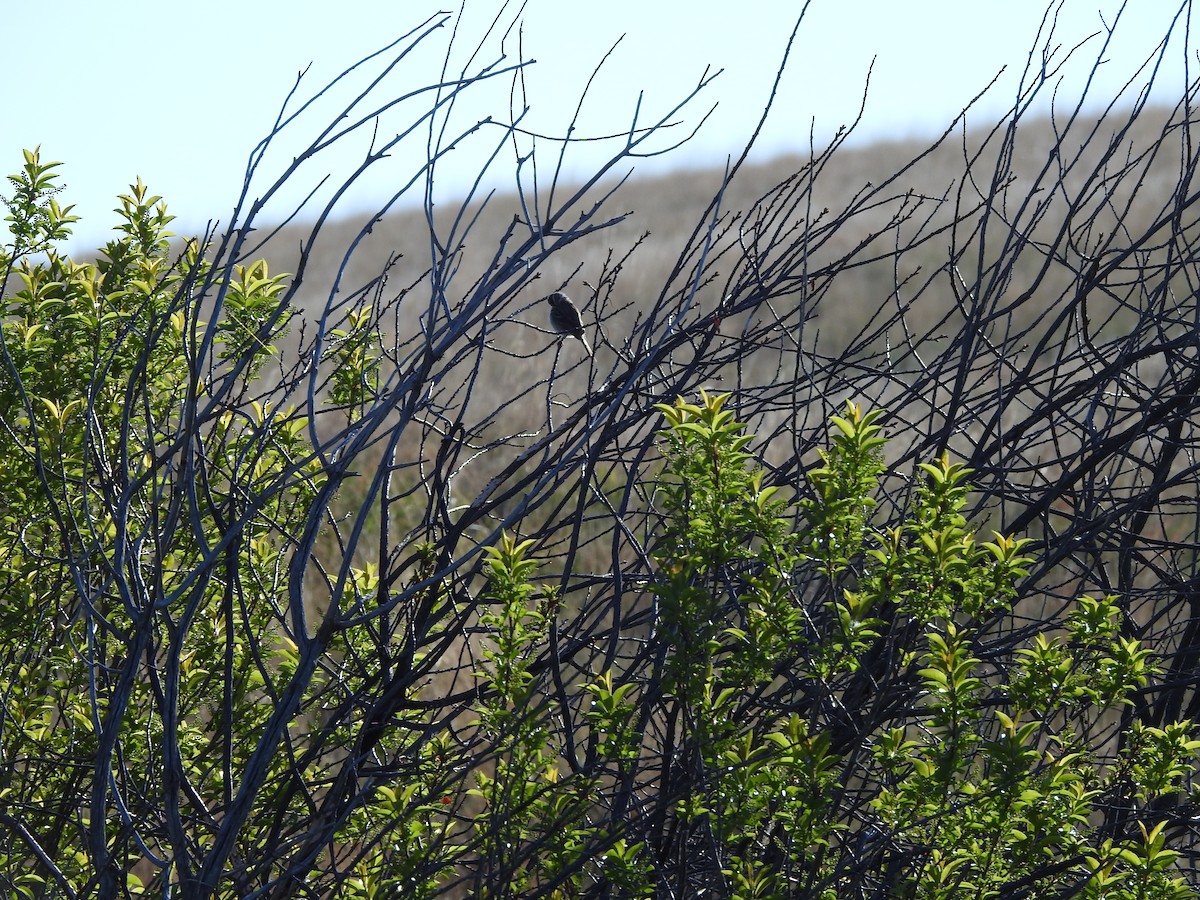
564	318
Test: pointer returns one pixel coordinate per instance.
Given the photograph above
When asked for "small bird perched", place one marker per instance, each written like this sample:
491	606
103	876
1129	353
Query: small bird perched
564	318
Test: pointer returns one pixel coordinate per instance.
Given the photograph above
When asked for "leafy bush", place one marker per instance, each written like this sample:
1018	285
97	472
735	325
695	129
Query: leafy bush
142	638
965	775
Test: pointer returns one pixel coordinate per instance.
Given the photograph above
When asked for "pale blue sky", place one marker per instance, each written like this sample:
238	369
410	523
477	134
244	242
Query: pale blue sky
180	94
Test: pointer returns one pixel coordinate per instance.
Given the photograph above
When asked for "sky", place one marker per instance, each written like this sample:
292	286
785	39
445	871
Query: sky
181	94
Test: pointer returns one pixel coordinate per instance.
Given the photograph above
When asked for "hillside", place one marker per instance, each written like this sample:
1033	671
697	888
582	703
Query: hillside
883	246
663	211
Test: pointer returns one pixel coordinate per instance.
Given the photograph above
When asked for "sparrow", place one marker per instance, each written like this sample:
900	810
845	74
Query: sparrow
564	318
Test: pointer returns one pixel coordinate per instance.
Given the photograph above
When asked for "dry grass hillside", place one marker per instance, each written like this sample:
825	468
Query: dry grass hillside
884	233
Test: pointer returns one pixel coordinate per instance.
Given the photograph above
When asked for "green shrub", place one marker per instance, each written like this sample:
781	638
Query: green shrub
974	784
145	513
